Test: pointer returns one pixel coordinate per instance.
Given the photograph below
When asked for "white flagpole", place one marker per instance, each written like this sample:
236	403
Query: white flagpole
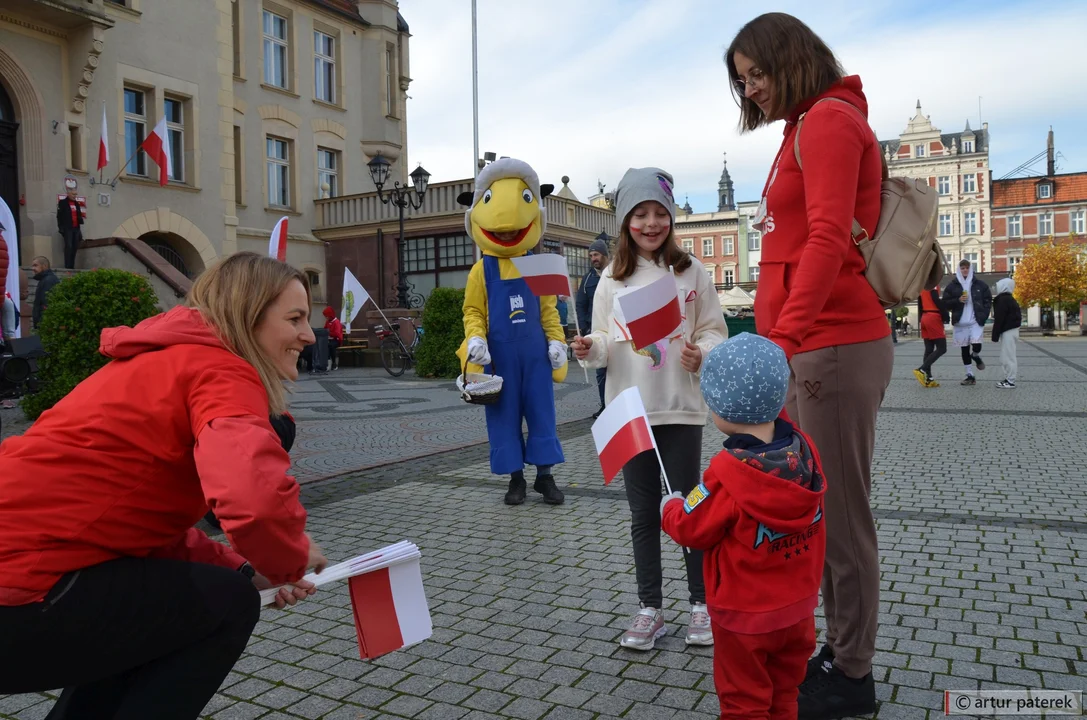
475	107
573	299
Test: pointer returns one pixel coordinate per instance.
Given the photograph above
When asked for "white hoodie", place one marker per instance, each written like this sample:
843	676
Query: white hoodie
967	318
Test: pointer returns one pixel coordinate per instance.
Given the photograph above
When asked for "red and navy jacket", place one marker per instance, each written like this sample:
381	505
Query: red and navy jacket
758	516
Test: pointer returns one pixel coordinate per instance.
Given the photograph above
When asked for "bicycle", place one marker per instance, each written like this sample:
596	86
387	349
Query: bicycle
396	356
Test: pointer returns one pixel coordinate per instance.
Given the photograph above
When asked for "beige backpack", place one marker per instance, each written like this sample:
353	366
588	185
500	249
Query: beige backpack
902	258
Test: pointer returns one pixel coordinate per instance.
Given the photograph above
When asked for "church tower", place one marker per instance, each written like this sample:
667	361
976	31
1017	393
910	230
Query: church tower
725	197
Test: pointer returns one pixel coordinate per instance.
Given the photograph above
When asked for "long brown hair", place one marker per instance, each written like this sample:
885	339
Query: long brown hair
786	50
626	253
233	297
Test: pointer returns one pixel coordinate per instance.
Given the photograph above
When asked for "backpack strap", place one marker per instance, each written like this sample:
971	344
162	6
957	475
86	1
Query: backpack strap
858	233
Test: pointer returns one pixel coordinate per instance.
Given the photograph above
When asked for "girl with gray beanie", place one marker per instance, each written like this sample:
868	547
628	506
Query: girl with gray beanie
646	250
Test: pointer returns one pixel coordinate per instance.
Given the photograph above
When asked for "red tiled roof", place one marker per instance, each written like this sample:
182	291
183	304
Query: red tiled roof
346	8
1068	188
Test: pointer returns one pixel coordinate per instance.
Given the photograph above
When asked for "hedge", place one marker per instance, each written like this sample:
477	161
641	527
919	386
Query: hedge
443	332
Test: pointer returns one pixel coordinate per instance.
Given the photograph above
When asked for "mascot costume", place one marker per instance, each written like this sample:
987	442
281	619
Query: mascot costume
509	331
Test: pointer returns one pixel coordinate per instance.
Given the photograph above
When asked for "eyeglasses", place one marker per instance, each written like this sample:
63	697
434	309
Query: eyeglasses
755	80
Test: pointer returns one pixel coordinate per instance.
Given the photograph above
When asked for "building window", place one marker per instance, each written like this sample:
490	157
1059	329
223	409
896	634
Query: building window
945	225
1078	222
324	66
688	245
328	171
135	131
919	151
755	273
707	247
279	172
1013	263
1015	225
711	270
1045	191
969	183
577	262
390	82
973	258
754	240
1045	224
968	146
729	246
943	185
949	259
239	163
728	277
236	31
75	146
174	110
969	223
317	293
275	50
438	262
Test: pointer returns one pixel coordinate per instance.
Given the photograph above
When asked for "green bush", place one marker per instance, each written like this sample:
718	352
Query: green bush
71	329
443	332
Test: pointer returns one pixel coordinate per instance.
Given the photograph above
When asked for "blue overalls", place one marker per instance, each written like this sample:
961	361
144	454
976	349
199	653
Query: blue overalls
518	347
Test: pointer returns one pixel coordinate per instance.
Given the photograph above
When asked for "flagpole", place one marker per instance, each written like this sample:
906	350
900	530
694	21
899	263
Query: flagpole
577	324
475	109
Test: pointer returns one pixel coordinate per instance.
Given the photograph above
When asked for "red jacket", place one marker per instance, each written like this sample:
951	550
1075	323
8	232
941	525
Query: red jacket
335	328
932	315
132	458
5	260
812	291
763	536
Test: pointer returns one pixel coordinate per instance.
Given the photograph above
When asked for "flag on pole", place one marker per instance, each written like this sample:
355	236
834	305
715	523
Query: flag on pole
545	274
277	244
621	432
652	311
157	147
103	142
354	297
11	282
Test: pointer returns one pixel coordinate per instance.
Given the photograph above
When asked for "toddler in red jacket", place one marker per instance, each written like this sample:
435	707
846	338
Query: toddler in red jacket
758	516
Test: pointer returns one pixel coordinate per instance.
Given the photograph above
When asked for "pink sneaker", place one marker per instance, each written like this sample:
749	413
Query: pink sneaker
645	627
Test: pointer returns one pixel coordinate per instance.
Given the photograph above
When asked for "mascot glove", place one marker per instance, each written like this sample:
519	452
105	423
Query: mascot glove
669	498
478	354
556	352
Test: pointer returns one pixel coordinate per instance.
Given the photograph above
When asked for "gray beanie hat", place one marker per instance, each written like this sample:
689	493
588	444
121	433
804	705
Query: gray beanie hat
744	380
507	168
599	246
641	184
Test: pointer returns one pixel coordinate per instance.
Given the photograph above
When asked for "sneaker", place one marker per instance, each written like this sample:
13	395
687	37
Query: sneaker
822	661
699	631
516	493
932	383
970	380
921	377
978	361
645	627
597	413
545	485
1006	384
830	695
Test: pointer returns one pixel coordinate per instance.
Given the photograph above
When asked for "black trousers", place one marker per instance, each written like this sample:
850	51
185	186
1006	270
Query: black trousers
130	639
934	349
601	379
969	352
333	346
681	451
72	238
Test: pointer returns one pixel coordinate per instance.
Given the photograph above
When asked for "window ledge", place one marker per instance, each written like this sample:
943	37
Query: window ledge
279	90
330	106
123	11
73	171
148	182
283	211
239	78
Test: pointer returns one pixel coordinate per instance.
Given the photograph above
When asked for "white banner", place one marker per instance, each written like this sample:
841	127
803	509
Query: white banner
354	297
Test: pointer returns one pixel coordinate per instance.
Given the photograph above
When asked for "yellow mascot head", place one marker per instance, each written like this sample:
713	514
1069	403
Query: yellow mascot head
506	215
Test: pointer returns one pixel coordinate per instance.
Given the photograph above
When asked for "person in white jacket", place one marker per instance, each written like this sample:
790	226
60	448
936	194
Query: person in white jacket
666	376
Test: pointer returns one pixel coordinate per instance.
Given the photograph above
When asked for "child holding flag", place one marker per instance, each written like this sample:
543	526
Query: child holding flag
646	252
758	515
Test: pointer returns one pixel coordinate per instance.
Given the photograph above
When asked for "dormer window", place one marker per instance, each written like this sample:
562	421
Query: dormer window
919	151
968	146
1045	191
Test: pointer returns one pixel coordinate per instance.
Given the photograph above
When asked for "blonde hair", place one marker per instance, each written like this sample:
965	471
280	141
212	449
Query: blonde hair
233	297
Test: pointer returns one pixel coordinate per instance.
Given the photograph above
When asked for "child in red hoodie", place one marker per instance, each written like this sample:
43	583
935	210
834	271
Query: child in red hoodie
758	516
335	334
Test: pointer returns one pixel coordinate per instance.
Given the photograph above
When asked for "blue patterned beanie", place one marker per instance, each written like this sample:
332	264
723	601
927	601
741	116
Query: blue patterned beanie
744	380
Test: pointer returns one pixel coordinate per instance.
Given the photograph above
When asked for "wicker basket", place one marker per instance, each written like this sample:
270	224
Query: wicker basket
479	388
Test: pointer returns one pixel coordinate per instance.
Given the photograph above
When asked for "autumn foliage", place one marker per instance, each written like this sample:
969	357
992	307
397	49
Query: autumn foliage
1052	274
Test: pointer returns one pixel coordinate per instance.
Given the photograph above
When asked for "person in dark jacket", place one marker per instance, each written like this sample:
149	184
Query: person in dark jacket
47	280
970	300
598	258
69	222
1007	317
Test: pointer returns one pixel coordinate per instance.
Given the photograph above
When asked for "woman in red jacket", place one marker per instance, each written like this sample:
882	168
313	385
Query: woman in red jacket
106	589
814	302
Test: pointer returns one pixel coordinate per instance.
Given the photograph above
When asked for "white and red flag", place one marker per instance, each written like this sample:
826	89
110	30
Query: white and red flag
103	142
277	245
652	311
157	147
621	432
545	274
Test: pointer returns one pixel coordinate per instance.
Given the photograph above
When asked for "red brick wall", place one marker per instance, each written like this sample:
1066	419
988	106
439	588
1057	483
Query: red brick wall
1000	226
981	184
1030	225
1060	222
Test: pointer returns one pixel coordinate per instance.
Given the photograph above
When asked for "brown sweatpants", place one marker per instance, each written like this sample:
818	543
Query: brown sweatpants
834	395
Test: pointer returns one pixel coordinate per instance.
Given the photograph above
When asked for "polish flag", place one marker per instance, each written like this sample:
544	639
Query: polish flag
103	143
390	609
277	245
621	432
158	149
545	274
652	312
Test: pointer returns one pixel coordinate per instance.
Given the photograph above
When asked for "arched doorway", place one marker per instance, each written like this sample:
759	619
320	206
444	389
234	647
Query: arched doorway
177	251
9	167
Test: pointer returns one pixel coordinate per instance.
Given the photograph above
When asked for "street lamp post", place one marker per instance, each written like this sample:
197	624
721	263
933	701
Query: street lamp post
401	196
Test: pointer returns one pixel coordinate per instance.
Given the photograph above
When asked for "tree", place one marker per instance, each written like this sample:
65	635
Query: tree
1052	275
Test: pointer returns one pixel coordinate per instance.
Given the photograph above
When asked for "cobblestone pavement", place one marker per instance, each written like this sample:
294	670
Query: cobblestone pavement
981	503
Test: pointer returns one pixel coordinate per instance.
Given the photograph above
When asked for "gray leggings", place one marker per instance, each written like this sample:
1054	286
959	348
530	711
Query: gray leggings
681	451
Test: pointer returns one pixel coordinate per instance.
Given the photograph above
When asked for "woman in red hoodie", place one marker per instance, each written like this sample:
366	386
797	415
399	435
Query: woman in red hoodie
814	302
106	589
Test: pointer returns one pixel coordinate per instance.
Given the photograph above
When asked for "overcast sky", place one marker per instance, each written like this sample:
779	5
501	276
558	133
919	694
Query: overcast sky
588	88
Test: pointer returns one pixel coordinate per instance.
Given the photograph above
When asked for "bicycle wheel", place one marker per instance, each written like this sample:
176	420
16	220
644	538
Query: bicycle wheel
392	357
